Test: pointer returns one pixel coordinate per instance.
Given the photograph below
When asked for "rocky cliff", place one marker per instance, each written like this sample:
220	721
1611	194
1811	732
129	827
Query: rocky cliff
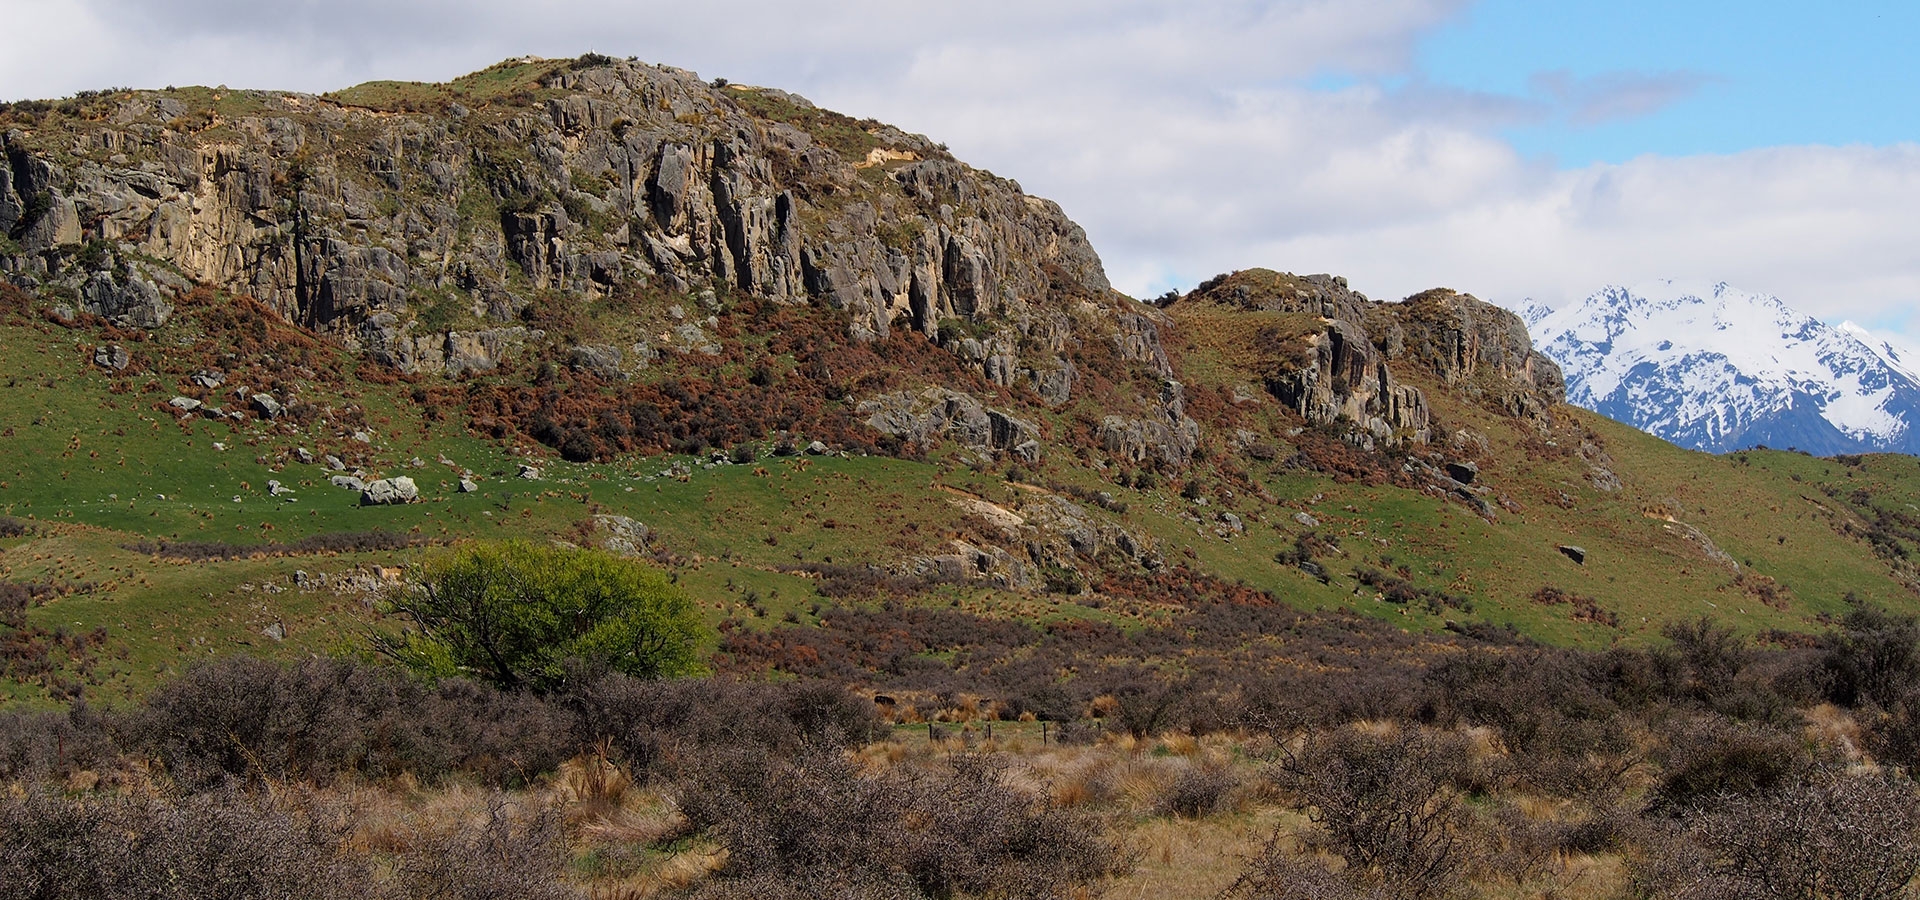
589	220
1334	353
418	223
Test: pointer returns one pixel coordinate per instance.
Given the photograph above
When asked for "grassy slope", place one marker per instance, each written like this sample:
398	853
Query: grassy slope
90	458
91	466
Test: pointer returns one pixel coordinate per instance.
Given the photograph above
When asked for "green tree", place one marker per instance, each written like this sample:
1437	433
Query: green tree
519	614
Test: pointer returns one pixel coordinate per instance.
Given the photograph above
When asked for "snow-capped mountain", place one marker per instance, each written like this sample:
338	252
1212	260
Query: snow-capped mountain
1716	368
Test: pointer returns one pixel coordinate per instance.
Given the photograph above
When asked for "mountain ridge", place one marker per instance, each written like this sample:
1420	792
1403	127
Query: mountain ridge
1713	367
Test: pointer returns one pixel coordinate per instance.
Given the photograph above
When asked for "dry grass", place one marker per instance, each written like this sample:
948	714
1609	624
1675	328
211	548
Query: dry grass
1830	726
1183	859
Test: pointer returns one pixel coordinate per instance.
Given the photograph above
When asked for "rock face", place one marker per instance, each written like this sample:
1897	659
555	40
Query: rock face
1347	380
927	417
1479	348
1343	348
592	176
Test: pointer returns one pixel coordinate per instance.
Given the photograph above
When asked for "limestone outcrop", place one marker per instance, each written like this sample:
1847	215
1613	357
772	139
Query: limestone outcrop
351	213
1343	349
928	417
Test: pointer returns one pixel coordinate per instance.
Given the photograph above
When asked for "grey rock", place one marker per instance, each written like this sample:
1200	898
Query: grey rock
1463	472
276	489
816	448
390	491
927	417
112	357
1307	519
528	472
129	301
209	379
601	359
266	406
276	631
624	536
666	180
304	455
184	404
1346	380
348	482
1233	523
469	486
363	437
693	339
333	462
1481	349
1577	554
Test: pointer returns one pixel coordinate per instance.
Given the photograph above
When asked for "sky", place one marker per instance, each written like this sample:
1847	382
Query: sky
1512	149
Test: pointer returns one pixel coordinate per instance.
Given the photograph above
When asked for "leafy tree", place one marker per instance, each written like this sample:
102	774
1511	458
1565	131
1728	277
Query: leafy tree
519	615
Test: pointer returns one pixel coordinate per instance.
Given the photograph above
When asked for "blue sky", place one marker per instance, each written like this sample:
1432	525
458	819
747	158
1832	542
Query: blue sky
1742	74
1514	150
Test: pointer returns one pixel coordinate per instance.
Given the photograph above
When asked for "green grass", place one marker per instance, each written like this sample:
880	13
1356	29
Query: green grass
97	464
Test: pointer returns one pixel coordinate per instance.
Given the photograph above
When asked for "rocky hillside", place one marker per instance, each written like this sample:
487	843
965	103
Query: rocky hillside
594	213
1341	349
801	360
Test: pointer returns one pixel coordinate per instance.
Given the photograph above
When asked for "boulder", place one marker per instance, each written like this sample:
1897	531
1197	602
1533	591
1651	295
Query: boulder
1346	380
624	536
184	404
528	472
265	405
1463	472
112	357
1577	554
469	486
348	482
390	491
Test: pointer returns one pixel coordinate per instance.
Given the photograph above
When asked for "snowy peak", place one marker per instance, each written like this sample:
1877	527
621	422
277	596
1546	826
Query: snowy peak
1710	366
1897	355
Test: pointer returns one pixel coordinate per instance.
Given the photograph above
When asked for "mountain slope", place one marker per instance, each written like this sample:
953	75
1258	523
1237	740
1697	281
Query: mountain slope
1715	368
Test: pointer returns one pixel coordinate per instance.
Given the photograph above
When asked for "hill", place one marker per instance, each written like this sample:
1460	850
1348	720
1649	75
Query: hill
1018	586
857	352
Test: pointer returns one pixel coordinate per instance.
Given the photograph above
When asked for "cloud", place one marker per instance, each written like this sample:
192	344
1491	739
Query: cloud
1189	138
1614	96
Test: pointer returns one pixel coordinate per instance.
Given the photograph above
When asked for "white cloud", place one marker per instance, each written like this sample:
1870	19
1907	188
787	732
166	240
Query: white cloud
1186	136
